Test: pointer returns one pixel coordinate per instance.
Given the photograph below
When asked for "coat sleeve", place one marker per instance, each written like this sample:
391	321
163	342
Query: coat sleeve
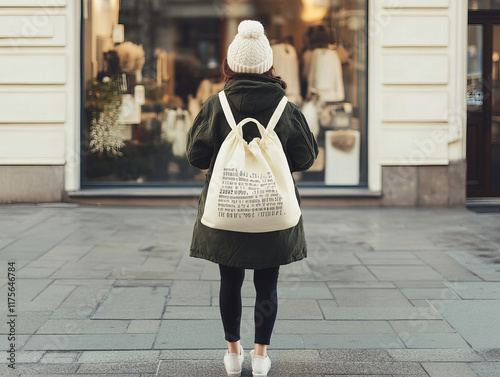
301	146
199	148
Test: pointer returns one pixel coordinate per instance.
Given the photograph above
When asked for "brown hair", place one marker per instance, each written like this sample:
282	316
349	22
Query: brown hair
227	74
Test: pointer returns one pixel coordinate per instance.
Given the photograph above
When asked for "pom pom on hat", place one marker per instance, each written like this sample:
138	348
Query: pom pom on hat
251	29
250	51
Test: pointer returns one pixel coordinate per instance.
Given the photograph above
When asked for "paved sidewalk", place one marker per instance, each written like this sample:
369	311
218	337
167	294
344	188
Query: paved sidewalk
112	291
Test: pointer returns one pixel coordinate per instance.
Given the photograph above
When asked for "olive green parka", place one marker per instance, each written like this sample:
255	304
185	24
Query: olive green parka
256	96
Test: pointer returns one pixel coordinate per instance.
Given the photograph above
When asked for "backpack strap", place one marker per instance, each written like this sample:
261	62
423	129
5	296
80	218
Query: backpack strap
277	114
227	110
230	118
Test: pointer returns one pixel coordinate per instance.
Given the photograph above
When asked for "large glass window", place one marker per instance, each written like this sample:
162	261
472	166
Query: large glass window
484	4
150	64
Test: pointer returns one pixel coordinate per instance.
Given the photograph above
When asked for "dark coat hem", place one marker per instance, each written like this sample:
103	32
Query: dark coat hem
213	258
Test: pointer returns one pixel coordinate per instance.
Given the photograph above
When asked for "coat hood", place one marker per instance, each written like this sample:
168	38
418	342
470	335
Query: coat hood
252	93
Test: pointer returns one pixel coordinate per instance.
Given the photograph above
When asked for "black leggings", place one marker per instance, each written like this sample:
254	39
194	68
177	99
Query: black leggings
266	302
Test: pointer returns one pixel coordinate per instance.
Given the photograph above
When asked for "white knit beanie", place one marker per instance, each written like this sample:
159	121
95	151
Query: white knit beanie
250	51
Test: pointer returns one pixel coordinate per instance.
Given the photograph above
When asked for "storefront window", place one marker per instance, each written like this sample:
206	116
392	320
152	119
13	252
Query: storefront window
150	64
484	4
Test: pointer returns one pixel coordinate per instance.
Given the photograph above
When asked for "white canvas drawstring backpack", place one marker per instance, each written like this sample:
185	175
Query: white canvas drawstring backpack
251	189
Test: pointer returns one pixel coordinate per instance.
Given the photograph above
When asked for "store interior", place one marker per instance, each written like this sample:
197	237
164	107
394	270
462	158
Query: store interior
149	65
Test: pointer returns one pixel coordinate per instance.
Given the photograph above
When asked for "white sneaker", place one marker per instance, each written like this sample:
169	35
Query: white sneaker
233	363
260	365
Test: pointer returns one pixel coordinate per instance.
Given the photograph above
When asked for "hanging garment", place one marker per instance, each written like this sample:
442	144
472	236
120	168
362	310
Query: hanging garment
251	189
175	128
325	75
310	112
286	64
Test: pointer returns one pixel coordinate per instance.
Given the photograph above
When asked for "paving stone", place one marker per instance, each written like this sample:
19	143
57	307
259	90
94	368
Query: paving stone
484	369
380	254
86	296
421	326
331	327
191	312
142	283
343	273
331	259
420	284
90	342
449	370
473	263
133	303
457	354
37	272
89	357
330	311
20	341
404	272
139	326
84	282
49	299
65	252
446	266
118	368
189	293
83	312
370	298
420	303
355	355
434	340
190	334
23	357
430	293
175	368
476	290
279	341
300	289
361	284
59	357
291	355
357	340
389	258
45	369
85	326
30	288
78	272
490	354
194	354
490	277
27	322
291	308
475	320
245	301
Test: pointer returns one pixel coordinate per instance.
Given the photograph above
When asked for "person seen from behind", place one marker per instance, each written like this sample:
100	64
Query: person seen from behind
253	90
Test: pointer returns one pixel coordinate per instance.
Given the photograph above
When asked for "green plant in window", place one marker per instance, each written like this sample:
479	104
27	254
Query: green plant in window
103	104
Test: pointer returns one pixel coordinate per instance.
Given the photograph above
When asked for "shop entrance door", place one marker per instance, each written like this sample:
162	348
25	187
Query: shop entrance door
483	104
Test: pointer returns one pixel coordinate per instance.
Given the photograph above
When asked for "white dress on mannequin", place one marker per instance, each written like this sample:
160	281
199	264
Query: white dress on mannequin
325	75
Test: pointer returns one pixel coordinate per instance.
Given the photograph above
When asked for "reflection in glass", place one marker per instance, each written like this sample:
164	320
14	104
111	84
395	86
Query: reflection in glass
495	111
484	4
475	66
167	65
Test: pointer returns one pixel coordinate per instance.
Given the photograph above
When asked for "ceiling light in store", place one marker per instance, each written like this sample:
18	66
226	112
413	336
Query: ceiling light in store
314	10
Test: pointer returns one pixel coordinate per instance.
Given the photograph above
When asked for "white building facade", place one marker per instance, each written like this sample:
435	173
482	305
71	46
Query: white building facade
416	106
